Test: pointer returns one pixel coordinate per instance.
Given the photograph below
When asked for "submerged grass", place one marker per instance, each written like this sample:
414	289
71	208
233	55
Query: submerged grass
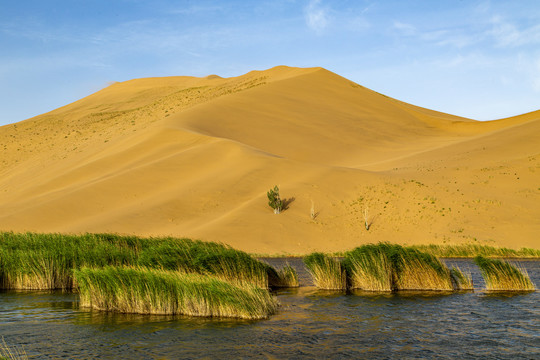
47	261
502	276
327	272
154	291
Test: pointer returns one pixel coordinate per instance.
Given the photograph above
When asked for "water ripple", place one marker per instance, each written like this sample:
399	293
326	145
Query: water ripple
310	324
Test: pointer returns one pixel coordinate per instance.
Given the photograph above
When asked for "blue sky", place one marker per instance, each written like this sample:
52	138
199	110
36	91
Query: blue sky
479	59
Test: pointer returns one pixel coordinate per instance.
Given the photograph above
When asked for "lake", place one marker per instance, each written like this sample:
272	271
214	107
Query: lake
310	324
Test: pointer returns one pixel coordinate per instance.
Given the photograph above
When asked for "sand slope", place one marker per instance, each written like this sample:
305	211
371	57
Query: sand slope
194	157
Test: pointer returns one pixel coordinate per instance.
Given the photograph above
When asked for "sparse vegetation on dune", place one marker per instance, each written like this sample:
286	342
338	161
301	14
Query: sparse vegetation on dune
153	291
274	200
328	273
502	276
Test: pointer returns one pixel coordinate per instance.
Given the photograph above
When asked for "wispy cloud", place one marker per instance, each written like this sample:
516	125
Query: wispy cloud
317	17
507	34
404	28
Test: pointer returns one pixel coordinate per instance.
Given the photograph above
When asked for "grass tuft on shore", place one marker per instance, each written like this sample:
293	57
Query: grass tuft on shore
502	276
154	291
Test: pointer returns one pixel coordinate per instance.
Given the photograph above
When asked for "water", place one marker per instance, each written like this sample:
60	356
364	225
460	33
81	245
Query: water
310	324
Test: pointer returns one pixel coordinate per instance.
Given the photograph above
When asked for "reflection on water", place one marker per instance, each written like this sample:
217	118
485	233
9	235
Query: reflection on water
311	324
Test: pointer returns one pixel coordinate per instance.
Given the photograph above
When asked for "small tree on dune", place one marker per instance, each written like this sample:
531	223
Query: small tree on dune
274	200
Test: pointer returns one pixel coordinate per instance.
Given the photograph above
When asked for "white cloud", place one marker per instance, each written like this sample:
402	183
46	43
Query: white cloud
506	34
405	29
317	17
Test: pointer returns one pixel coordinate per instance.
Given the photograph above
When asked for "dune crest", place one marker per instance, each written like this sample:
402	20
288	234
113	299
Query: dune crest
188	156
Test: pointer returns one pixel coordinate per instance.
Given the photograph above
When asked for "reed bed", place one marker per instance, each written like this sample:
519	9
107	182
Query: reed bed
287	277
416	270
389	267
47	261
154	291
473	250
502	276
327	272
368	268
461	281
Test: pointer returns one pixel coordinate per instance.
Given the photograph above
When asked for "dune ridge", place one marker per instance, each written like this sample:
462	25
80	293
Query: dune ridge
187	156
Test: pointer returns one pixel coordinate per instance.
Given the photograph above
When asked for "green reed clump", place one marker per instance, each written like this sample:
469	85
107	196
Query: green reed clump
47	261
416	270
460	281
502	276
391	267
327	272
287	277
154	291
236	266
472	250
368	268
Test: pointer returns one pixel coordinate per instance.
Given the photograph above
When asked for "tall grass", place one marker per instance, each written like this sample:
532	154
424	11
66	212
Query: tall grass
502	276
287	277
416	270
391	267
153	291
327	272
47	261
461	281
368	268
472	250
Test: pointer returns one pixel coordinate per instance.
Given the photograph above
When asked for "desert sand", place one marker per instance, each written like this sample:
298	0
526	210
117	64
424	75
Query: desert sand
194	157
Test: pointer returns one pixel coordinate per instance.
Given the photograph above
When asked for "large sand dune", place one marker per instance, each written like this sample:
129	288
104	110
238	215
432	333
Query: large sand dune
194	157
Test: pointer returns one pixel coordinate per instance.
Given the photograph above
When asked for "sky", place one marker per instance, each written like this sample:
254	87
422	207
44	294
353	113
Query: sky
478	59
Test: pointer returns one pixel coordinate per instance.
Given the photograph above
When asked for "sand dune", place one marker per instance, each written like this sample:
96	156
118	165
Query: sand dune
194	157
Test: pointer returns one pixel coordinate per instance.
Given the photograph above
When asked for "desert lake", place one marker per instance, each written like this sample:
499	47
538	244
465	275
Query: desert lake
310	324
